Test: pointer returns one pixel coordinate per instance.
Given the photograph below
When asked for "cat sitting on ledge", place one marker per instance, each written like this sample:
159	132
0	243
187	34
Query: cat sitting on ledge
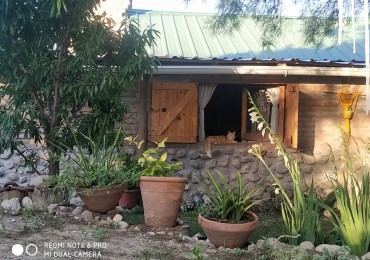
218	139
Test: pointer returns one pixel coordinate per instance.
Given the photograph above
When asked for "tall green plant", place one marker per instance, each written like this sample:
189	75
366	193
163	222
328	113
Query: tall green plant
300	214
352	216
55	61
229	203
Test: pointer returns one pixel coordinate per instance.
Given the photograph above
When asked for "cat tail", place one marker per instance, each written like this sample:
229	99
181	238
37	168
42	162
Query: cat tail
208	147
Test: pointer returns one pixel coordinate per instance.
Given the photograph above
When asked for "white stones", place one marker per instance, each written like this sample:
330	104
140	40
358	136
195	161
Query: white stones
117	218
76	201
37	181
366	256
331	248
52	208
77	211
307	245
13	206
27	202
87	215
123	225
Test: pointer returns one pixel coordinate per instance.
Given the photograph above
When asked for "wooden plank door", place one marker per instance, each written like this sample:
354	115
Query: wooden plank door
174	112
291	115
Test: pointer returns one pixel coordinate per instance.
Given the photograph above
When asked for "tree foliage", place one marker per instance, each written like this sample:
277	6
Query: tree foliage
58	57
268	15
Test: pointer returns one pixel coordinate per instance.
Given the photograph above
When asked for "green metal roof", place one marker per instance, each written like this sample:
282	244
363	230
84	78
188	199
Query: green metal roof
186	35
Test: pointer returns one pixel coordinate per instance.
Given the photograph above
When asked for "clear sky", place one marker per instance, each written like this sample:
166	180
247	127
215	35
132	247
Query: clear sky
198	6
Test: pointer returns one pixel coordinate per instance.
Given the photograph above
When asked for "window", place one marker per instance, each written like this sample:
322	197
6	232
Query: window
175	111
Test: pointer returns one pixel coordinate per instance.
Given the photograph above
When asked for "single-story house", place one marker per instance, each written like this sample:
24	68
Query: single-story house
199	90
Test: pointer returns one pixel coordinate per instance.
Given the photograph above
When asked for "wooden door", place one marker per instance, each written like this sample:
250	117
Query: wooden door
291	115
174	112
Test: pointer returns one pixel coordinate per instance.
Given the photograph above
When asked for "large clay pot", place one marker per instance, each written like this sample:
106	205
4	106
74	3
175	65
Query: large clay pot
228	235
161	198
129	199
101	200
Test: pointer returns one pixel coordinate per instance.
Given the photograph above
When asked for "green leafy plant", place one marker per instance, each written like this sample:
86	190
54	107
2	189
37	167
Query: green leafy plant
197	252
99	233
100	165
229	203
352	217
301	214
154	161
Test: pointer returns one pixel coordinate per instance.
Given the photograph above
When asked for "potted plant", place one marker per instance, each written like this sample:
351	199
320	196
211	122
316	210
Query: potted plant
132	174
161	193
97	173
227	221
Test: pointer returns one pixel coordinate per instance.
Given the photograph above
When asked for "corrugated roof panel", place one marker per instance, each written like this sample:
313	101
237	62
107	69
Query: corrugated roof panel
187	35
173	40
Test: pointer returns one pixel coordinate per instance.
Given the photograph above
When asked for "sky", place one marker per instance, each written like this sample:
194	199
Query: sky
197	6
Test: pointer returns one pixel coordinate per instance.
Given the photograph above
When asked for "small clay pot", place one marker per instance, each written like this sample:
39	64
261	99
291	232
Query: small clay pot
129	199
226	234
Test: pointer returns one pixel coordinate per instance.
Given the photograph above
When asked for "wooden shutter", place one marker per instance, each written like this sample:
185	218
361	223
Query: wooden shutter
174	112
291	115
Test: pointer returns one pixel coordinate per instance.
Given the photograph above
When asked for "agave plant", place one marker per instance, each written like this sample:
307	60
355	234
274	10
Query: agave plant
229	203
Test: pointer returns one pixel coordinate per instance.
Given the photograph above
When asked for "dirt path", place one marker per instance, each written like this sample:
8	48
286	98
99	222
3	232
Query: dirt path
60	237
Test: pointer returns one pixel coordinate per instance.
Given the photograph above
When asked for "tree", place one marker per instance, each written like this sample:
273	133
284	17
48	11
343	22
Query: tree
58	57
268	14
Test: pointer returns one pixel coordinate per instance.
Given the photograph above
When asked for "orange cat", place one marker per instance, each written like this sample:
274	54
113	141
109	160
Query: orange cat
218	139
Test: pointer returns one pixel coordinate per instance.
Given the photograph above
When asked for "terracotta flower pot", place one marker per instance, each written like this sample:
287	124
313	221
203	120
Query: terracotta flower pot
101	200
228	235
161	198
129	198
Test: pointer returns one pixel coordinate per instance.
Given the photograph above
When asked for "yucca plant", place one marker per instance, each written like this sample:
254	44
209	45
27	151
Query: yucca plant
229	203
300	213
352	216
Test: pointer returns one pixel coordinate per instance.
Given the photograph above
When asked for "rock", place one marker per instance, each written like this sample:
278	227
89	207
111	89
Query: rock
103	223
210	164
185	173
9	164
306	168
109	219
308	159
280	167
171	151
1	228
117	218
224	161
179	221
2	172
13	206
321	158
23	179
181	153
76	201
63	208
196	176
235	162
52	208
197	200
77	211
13	177
161	233
37	181
151	233
253	176
307	245
206	199
188	239
364	257
196	164
27	202
251	247
331	248
245	169
123	225
137	228
193	155
6	155
228	151
87	215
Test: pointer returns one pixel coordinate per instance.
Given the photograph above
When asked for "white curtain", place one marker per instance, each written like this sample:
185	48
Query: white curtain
205	94
274	94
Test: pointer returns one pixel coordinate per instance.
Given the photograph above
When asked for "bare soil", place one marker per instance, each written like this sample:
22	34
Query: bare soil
45	236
